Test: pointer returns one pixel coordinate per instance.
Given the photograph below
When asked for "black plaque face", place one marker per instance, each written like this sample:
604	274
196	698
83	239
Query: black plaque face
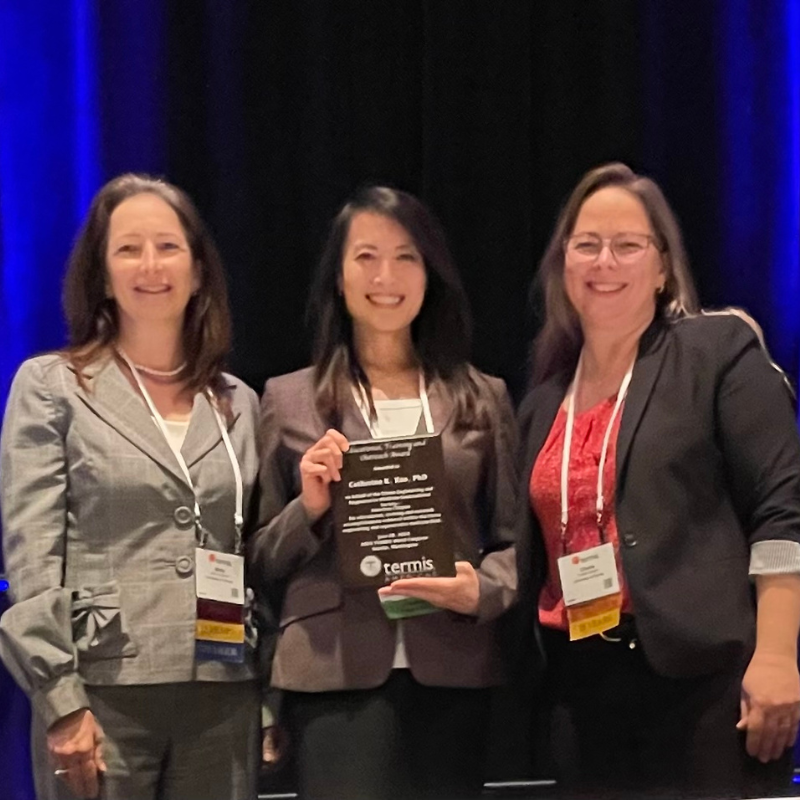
390	512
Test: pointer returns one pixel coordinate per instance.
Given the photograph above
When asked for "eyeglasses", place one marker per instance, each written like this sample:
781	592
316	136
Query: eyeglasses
627	248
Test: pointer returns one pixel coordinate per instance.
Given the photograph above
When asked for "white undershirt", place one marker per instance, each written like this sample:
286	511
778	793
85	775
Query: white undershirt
176	432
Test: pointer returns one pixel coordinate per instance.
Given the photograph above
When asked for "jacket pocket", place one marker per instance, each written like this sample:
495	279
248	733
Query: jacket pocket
309	596
98	625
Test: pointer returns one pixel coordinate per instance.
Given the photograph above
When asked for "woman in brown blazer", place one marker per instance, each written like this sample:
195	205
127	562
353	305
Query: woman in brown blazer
378	708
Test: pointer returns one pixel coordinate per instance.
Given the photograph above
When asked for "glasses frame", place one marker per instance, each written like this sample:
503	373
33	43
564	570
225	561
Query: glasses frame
607	241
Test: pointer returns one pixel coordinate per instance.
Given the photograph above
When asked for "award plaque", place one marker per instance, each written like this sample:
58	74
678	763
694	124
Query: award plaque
390	512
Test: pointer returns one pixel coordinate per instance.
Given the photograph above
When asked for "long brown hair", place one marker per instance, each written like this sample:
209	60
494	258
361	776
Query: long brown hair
441	332
92	317
557	346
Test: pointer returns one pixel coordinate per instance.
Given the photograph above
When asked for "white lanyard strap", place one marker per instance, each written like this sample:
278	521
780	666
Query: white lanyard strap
362	401
238	513
238	516
573	390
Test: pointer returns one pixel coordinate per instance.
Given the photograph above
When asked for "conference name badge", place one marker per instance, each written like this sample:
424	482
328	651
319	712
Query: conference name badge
590	585
219	628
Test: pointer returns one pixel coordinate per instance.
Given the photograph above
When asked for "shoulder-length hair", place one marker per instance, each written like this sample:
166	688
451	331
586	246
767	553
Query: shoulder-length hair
557	346
441	332
92	317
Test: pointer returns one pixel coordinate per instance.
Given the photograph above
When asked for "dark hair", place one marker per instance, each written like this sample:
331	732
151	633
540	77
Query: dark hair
92	317
557	346
441	332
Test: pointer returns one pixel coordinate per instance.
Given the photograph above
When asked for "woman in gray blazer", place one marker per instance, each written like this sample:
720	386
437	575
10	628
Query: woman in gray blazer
378	708
127	462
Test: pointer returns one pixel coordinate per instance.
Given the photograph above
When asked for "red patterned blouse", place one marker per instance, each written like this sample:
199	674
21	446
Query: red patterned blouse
545	497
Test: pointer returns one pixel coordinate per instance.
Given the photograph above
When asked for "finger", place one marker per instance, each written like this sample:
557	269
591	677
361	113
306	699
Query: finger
338	438
428	595
770	739
785	734
326	457
755	728
436	596
310	470
412	586
326	445
82	779
269	752
91	783
743	711
74	780
99	761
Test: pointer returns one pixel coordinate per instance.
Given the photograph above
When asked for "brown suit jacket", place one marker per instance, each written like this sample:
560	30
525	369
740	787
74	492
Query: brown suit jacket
331	638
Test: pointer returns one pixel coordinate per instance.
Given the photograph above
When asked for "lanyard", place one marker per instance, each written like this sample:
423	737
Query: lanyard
360	396
238	515
573	389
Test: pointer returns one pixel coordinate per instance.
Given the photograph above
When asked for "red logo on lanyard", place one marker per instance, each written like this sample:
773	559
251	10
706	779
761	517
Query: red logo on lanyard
576	560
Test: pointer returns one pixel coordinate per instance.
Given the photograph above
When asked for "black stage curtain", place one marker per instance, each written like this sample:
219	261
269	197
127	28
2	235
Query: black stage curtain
491	111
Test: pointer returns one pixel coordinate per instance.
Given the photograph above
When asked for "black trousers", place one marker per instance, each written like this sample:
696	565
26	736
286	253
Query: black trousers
617	727
401	740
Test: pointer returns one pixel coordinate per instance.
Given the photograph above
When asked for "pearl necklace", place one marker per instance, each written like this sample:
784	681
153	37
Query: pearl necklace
156	373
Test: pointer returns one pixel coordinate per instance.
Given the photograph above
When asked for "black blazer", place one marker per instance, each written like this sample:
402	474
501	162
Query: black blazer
708	464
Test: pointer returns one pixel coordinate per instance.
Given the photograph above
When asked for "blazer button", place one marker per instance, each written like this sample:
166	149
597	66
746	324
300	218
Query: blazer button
629	540
183	516
184	565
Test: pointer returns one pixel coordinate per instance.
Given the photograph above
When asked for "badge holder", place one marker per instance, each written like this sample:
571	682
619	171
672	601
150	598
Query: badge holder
589	579
219	585
590	585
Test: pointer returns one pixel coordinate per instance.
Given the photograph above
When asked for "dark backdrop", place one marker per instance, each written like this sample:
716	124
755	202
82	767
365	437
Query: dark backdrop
270	112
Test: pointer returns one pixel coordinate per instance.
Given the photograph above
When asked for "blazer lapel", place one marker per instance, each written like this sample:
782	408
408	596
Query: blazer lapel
203	434
440	404
113	399
548	399
645	372
353	425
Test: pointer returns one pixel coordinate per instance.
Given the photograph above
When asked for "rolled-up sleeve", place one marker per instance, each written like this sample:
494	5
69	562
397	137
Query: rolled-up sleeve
36	642
759	437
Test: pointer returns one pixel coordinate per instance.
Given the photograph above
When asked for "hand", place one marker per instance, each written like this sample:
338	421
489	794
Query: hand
459	594
273	745
319	466
770	705
75	743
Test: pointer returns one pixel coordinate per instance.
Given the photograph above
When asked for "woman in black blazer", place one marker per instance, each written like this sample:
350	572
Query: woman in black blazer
671	525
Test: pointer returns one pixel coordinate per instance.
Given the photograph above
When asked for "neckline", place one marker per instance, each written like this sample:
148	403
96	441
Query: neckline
605	402
179	422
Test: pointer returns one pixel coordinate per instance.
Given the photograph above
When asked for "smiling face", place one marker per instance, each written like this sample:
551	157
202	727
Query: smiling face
604	293
383	275
150	270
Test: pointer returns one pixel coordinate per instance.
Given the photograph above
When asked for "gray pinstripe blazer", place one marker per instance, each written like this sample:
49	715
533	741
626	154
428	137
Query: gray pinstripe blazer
98	532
